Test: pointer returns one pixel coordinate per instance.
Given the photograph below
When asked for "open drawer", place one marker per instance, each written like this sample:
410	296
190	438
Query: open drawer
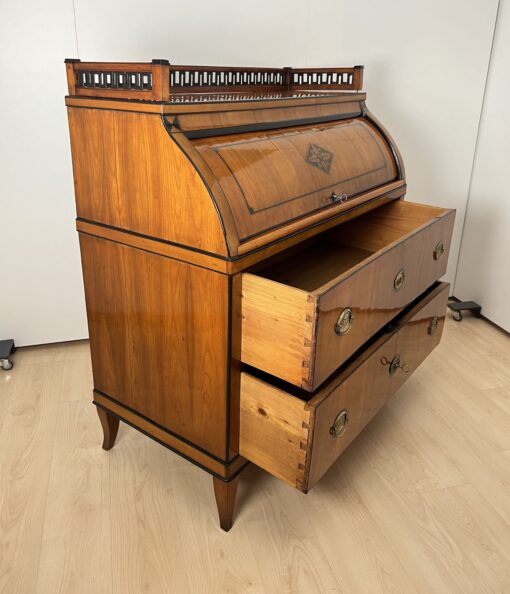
298	440
308	311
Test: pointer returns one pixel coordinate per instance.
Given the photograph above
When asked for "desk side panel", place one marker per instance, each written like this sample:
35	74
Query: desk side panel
131	175
159	339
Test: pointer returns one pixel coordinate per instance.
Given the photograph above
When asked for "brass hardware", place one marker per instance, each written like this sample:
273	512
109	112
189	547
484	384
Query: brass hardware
395	364
433	325
438	250
340	424
399	279
336	198
344	322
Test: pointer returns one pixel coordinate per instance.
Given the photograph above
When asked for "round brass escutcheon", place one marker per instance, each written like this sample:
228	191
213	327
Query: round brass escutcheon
438	250
340	424
399	279
433	325
344	322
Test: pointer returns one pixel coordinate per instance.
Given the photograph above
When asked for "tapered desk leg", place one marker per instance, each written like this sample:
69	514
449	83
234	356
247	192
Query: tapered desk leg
225	494
110	425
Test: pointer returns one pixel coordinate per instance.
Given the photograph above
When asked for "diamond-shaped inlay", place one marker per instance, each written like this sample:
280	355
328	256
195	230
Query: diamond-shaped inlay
319	157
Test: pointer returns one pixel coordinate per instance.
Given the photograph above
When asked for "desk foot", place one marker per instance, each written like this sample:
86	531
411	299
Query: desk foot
110	426
225	494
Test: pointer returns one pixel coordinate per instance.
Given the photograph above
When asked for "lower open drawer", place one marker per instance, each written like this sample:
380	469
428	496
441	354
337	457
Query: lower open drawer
296	439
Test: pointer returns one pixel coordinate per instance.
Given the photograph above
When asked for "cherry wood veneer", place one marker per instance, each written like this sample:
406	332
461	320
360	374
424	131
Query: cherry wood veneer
297	300
142	309
226	217
289	435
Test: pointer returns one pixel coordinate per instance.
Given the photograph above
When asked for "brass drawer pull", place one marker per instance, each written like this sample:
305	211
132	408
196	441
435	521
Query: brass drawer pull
340	424
344	322
438	250
395	364
399	279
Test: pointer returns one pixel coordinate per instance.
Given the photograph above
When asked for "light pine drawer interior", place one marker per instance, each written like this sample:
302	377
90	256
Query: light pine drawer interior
310	309
296	437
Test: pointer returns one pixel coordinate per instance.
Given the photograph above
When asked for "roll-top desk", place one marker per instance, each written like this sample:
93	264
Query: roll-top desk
256	286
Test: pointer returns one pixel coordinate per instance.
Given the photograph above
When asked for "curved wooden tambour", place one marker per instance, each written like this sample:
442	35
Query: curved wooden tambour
272	153
273	178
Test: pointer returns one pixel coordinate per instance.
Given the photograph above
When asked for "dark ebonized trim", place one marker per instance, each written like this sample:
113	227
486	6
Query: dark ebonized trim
229	369
355	97
166	430
168	127
368	116
135	247
201	466
315	210
259	127
385	197
262	108
159	240
354	122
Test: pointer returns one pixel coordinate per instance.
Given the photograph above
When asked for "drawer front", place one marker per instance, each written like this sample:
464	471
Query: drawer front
298	441
376	293
366	389
307	314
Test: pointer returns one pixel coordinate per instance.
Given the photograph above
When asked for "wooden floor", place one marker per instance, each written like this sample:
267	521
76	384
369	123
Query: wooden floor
419	503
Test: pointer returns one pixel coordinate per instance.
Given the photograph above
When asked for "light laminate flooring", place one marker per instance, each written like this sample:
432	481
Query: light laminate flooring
420	503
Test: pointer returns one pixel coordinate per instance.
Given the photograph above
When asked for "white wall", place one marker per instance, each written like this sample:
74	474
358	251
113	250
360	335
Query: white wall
484	266
41	293
425	70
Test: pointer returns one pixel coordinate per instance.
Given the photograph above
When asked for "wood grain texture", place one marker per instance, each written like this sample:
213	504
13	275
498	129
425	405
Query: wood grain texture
125	168
225	495
110	425
278	327
26	453
273	426
159	336
161	81
176	444
354	265
159	89
285	115
369	288
366	389
297	445
77	520
226	265
327	218
294	187
419	500
155	246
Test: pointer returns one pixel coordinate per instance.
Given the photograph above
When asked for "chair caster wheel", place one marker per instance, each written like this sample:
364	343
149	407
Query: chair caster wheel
6	364
457	316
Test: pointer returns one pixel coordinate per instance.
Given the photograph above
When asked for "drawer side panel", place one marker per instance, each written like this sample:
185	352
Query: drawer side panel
278	327
273	430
